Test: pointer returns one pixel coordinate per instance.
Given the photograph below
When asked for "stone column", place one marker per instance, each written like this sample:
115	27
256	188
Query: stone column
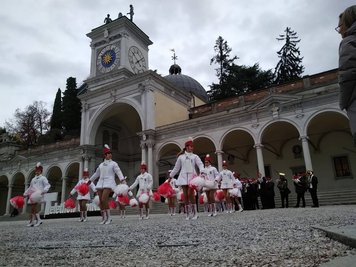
150	145
143	151
25	205
219	154
9	193
306	153
260	162
64	186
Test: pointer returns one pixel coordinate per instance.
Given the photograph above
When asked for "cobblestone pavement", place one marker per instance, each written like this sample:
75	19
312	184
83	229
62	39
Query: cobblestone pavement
278	237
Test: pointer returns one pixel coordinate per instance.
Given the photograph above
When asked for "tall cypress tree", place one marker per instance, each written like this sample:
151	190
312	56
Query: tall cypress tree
56	119
290	66
71	108
222	58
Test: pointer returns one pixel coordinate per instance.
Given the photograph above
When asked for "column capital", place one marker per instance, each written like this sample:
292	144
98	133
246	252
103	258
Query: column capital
219	152
303	138
258	146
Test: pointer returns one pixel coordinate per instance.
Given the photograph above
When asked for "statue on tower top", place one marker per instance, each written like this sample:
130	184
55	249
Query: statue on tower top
107	19
131	13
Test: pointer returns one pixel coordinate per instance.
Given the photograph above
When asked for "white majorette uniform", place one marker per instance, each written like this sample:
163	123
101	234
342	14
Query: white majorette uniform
144	182
227	179
185	165
38	183
211	174
87	196
106	171
238	185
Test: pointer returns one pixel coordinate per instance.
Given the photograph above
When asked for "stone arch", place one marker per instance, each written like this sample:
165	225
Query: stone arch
71	172
205	145
238	150
330	138
105	111
278	139
4	188
18	183
124	119
54	175
166	158
324	122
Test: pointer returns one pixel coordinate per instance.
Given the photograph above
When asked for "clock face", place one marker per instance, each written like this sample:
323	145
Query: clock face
108	58
137	60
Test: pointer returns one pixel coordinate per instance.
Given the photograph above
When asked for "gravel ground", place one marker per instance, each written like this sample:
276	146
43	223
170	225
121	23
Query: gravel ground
279	237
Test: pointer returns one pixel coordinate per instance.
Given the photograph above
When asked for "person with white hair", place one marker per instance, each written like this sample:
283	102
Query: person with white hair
38	187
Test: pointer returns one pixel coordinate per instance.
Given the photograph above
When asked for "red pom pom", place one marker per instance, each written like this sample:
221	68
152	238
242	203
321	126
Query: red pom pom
201	199
69	203
165	190
112	204
156	197
219	195
17	202
123	200
82	189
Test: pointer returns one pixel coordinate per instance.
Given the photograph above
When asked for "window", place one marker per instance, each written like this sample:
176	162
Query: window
342	167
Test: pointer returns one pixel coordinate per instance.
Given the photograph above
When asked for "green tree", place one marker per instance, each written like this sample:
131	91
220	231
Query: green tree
222	58
245	79
56	119
290	66
29	125
71	108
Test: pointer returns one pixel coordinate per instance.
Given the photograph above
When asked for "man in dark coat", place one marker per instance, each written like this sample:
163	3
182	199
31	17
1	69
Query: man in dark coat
313	188
300	183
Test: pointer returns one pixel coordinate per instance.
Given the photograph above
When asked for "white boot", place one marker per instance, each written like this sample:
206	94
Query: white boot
31	221
81	217
147	214
85	216
240	208
141	214
39	221
195	211
210	210
174	211
103	214
108	220
214	210
187	212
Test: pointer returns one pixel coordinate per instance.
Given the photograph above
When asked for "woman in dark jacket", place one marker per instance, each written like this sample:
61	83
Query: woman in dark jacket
347	65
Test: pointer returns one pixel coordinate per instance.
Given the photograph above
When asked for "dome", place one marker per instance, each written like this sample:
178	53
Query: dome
185	82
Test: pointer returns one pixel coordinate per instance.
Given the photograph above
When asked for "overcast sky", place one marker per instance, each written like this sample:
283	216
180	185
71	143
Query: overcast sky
43	42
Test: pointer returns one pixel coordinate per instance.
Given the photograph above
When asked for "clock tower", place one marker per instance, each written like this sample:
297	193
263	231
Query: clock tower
118	48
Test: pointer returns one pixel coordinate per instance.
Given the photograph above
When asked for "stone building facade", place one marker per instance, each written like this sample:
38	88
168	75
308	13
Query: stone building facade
144	116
